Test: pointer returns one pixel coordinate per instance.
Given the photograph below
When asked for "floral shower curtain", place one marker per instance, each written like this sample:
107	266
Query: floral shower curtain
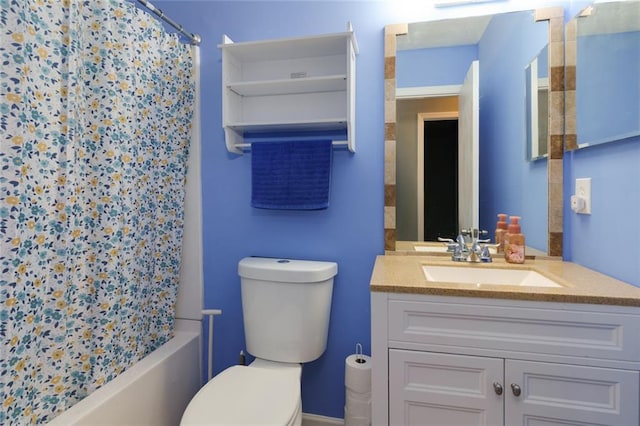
96	101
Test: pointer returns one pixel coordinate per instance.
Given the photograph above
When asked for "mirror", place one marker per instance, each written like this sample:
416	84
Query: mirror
537	105
419	92
604	70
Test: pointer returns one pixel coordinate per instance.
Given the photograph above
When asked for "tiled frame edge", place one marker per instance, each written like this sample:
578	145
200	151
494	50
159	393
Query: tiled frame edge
555	140
571	58
390	33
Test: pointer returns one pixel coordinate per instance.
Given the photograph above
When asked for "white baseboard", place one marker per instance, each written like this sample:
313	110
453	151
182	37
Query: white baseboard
317	420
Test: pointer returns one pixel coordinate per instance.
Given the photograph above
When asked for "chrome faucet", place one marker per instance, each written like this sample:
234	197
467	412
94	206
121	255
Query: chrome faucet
450	244
478	252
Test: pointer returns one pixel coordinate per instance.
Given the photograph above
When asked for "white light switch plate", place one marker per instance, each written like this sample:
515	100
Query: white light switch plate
583	190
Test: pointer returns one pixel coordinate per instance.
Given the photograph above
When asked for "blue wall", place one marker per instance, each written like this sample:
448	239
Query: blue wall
350	231
434	66
607	240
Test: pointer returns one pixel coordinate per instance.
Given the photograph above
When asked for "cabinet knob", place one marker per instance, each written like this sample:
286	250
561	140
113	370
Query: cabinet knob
497	387
516	389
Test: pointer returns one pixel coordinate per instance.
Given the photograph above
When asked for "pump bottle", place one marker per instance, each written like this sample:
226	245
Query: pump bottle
514	242
501	229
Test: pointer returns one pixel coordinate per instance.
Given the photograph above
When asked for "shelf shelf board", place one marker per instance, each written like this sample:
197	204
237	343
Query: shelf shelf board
308	125
331	83
290	48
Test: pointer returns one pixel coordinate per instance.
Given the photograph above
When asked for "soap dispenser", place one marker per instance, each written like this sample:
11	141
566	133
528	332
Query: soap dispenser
501	229
514	242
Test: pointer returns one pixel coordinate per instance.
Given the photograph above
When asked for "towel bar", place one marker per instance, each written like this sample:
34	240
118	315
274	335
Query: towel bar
247	145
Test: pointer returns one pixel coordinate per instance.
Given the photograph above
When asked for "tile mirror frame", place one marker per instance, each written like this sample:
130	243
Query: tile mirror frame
555	141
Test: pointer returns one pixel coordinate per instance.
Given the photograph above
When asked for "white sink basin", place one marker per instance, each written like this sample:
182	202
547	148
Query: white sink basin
484	275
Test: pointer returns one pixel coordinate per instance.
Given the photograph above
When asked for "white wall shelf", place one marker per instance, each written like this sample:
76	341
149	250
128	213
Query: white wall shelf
295	84
331	83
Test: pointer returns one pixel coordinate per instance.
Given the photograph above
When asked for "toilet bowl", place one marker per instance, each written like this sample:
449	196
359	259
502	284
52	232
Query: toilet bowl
263	393
285	307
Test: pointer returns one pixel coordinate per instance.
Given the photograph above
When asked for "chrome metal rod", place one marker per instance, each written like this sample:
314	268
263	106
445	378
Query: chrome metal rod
210	313
193	38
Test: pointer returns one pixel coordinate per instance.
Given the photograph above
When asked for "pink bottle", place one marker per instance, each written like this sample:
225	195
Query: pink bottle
501	229
514	242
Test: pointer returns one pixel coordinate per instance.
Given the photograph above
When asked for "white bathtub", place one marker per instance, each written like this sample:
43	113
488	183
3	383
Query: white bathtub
153	392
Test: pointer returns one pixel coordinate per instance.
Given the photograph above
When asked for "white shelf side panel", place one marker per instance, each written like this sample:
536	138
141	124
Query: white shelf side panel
351	94
231	101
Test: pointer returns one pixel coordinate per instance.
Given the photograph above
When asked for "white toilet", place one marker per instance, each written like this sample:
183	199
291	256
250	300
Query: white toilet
286	305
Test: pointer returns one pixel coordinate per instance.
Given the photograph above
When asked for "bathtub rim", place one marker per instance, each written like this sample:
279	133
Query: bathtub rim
185	332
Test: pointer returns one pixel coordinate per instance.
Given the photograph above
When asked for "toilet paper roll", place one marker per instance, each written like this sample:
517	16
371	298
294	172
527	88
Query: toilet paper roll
357	408
351	420
358	396
357	375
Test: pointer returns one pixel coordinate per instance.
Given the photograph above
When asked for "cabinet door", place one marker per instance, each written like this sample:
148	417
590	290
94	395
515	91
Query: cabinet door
558	394
442	389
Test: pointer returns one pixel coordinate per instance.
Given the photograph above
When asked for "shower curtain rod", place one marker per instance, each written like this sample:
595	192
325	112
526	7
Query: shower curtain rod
193	38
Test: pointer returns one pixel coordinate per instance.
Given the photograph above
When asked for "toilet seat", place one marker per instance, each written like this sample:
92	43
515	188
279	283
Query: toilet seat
247	396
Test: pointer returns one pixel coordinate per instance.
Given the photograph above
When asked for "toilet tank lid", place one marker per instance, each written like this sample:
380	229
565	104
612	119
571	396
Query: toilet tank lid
286	270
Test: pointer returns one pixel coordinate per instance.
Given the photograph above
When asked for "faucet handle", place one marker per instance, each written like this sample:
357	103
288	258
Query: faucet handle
445	240
459	253
487	244
485	253
449	243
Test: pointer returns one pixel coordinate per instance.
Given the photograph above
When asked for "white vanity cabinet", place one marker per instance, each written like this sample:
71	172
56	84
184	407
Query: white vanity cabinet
294	84
441	360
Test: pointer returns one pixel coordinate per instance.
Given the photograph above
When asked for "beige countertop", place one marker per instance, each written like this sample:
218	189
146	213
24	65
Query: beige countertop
404	274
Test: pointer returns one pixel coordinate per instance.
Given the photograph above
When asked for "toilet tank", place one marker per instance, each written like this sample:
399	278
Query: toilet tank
286	305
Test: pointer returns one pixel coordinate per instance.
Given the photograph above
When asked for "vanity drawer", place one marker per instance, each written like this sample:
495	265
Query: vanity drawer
545	328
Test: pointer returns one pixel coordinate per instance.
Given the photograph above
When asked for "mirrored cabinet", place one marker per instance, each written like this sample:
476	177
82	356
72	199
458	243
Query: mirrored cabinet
501	83
603	74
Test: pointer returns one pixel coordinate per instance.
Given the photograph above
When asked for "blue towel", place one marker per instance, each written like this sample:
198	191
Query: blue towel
291	175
